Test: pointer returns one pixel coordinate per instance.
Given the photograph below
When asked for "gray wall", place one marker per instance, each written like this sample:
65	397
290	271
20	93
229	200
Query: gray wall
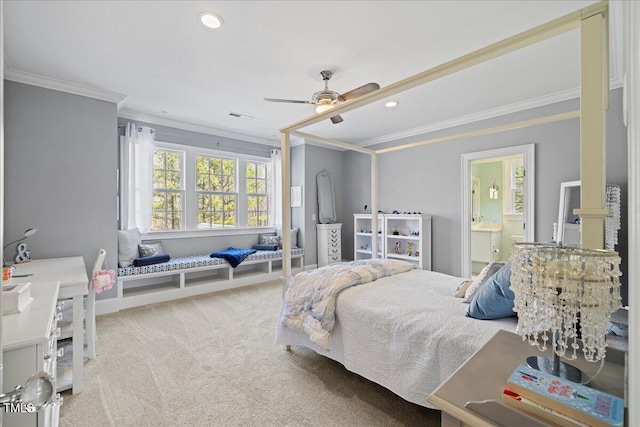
196	139
428	178
60	175
318	159
298	215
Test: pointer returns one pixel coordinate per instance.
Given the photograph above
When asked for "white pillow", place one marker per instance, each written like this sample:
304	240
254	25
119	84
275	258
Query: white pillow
128	242
462	289
150	249
294	237
488	271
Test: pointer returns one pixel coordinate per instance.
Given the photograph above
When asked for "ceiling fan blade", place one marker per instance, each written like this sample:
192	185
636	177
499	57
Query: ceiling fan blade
336	119
359	91
293	101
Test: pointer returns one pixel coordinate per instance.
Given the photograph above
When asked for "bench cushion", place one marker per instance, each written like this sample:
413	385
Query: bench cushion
195	261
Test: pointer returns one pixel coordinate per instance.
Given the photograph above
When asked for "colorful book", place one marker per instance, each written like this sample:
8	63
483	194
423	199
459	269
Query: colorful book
536	410
577	401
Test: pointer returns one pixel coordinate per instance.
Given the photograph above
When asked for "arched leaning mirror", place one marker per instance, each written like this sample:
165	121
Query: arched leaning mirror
568	222
326	198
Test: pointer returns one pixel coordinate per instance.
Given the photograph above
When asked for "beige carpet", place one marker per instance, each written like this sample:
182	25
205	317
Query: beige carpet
210	361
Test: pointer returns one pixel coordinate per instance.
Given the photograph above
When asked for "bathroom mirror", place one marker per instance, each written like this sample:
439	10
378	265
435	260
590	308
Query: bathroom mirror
568	222
326	198
569	227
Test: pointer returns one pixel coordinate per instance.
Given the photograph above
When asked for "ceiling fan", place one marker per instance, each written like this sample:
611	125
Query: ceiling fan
326	99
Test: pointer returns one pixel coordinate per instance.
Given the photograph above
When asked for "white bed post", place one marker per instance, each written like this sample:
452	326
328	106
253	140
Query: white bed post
374	205
594	96
285	146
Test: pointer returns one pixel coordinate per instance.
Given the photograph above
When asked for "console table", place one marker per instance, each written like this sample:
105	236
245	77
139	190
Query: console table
71	273
484	376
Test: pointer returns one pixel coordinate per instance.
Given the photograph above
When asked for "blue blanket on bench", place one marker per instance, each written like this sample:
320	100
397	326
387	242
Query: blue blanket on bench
234	256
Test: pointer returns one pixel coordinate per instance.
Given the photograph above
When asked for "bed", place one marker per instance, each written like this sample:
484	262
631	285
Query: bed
406	332
406	364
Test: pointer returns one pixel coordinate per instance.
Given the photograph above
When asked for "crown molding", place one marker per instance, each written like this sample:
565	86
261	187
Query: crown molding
484	115
62	86
179	124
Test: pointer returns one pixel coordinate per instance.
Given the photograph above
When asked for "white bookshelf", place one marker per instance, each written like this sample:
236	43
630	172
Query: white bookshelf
408	237
413	230
362	242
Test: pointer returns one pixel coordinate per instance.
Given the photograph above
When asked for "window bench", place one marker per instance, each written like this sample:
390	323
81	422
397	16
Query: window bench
193	275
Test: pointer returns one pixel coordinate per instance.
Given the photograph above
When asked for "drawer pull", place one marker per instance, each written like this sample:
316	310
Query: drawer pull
61	352
58	400
58	316
56	333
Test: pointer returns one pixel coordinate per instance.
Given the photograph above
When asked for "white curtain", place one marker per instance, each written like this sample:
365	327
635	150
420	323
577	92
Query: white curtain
275	208
137	182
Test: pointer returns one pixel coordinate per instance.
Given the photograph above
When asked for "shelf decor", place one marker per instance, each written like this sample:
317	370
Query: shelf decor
559	291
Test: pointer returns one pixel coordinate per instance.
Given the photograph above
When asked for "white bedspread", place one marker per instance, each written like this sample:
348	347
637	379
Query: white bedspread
406	332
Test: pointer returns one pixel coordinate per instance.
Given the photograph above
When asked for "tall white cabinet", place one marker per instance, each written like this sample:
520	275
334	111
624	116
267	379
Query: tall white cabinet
401	236
329	243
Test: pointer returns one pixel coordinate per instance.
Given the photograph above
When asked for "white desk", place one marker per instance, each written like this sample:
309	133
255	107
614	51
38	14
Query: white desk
29	346
72	275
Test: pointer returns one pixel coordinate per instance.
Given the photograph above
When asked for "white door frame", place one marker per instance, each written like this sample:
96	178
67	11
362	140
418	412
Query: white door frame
528	153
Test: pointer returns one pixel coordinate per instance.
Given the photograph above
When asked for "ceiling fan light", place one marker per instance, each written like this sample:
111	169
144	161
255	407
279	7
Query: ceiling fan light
321	108
210	20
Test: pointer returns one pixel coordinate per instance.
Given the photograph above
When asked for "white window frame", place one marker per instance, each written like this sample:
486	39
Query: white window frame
508	185
190	194
182	183
234	193
268	183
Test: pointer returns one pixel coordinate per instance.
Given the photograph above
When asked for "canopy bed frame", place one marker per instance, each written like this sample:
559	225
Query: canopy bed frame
592	23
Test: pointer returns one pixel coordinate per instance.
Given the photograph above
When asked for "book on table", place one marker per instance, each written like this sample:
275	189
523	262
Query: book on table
538	411
575	401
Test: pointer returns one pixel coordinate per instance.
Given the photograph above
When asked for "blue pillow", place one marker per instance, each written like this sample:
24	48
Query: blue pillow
234	256
265	247
150	260
494	300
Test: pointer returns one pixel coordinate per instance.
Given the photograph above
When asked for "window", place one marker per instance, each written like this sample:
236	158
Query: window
517	188
167	201
216	192
258	183
197	189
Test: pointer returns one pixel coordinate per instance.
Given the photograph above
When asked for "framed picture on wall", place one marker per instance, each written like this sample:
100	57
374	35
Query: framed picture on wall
296	197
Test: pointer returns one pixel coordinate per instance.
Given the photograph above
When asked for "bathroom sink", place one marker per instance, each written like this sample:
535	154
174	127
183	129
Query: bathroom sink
486	227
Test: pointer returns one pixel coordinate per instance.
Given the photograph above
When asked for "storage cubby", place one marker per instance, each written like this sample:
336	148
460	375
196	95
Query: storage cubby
362	233
408	237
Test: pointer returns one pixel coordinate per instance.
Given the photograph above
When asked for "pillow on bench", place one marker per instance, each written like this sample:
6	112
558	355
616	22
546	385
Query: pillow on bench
149	260
265	247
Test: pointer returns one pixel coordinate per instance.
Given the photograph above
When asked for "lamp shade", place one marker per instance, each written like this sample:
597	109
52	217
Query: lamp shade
566	292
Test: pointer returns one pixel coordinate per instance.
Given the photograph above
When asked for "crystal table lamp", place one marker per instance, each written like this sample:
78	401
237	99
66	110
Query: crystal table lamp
565	295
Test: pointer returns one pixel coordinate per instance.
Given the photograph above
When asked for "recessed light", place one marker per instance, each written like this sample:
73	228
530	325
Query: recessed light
391	104
210	20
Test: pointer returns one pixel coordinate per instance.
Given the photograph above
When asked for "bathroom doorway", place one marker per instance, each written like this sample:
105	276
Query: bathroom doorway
498	204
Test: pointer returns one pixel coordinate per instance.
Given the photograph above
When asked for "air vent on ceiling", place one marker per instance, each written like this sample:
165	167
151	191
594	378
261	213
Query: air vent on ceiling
241	116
